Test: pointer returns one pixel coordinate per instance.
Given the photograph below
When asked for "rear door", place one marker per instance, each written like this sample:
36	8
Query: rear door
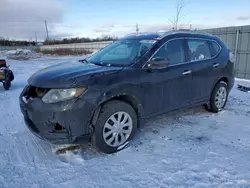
203	67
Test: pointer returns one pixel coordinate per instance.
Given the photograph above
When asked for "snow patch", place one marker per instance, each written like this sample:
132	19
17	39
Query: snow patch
243	182
165	161
22	54
71	157
18	51
242	80
1	179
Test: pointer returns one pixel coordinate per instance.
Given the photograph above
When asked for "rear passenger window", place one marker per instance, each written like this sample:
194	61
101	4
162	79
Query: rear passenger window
198	49
215	48
172	51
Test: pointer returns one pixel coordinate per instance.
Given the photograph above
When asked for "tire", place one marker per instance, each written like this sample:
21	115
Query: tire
109	111
11	76
214	106
6	85
7	82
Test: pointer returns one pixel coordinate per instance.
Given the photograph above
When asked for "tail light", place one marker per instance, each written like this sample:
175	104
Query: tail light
2	63
231	57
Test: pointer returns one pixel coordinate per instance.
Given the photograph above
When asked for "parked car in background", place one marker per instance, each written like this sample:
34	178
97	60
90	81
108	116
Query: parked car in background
105	98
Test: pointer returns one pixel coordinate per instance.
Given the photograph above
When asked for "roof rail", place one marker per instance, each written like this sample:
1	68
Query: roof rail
185	31
204	32
169	32
140	33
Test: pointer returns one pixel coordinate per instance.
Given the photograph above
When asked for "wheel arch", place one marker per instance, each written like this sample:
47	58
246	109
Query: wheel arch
222	78
129	99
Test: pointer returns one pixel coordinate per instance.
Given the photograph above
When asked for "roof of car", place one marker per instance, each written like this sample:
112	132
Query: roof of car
160	35
143	36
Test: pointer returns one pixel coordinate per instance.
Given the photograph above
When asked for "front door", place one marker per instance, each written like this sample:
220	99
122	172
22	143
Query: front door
176	77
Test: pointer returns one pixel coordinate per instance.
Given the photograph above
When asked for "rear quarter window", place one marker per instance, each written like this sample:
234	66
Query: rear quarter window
215	48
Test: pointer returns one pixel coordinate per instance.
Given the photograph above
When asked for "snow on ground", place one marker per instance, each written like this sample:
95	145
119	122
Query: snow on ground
22	54
187	148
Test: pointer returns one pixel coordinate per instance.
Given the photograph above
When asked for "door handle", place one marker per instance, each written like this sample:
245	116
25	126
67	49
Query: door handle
187	72
215	65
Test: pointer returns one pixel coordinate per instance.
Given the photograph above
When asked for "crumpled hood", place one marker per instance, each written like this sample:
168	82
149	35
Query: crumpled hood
69	74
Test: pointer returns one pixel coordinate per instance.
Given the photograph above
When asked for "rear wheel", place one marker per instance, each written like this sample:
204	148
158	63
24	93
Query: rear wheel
115	127
11	76
6	85
218	97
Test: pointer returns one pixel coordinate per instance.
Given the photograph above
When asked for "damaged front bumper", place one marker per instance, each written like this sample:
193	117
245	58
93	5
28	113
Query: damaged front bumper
59	123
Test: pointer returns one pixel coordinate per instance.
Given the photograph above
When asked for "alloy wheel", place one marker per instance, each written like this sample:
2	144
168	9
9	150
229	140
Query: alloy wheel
220	97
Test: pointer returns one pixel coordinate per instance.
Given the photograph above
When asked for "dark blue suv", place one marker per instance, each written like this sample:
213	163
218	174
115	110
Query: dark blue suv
104	98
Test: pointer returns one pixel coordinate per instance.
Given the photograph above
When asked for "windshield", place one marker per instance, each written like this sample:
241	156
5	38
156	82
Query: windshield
122	52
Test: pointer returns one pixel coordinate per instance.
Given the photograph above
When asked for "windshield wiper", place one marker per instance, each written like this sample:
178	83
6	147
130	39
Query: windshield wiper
84	61
101	64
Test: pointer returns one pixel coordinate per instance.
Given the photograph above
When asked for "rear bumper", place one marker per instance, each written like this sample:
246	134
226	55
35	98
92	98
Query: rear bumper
60	123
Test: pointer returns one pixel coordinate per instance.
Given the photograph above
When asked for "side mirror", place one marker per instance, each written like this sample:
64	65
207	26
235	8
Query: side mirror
158	63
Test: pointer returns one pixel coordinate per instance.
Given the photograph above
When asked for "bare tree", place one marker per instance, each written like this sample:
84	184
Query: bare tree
179	15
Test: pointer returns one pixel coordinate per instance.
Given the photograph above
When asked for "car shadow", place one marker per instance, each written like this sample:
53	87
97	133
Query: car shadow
176	116
172	120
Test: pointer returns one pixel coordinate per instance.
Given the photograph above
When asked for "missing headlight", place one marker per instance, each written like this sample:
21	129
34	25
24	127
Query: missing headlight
40	92
35	92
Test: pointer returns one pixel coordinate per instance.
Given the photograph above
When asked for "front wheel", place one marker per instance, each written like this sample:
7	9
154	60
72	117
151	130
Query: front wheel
218	97
115	127
7	81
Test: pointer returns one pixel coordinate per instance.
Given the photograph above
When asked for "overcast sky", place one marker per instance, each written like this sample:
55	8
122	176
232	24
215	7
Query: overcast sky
22	19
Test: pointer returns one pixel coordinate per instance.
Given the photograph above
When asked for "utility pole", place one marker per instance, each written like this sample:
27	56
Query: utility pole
46	30
137	28
35	37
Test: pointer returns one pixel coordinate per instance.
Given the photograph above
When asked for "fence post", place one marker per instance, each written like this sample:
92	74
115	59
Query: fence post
236	47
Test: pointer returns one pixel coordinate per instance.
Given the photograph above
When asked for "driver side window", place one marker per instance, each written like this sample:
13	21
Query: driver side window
172	52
